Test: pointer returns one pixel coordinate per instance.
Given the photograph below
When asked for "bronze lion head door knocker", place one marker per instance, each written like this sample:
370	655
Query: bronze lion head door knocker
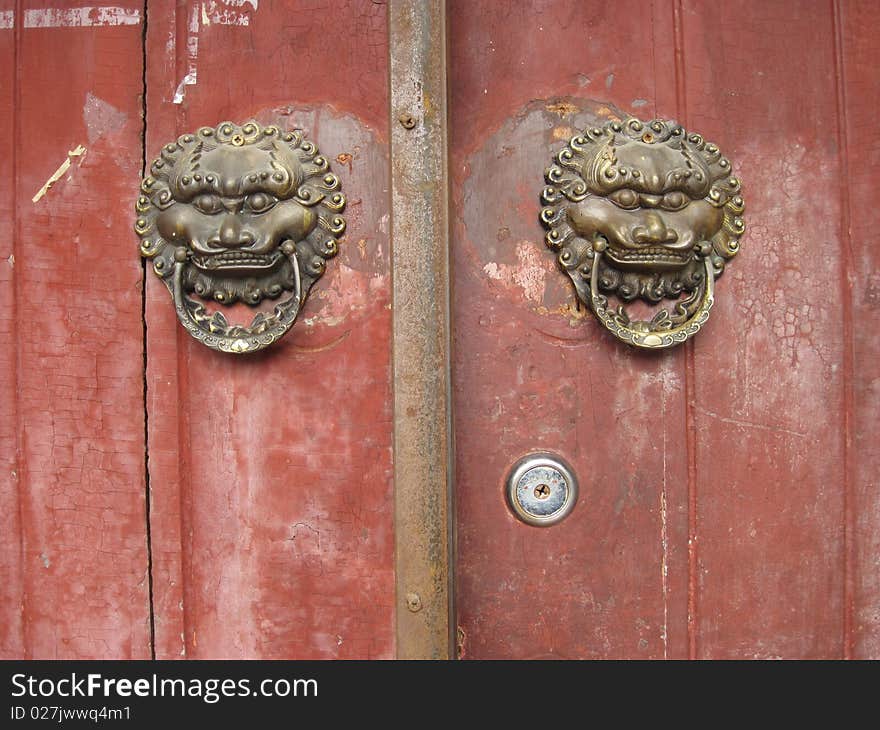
644	210
239	214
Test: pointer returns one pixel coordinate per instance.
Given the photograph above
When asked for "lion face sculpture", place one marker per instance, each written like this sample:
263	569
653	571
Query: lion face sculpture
239	213
644	210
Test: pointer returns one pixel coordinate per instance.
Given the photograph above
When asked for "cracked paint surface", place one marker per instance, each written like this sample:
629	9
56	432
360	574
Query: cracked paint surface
728	503
271	476
73	559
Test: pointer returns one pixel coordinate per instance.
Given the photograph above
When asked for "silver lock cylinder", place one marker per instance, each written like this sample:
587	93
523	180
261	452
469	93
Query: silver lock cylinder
541	489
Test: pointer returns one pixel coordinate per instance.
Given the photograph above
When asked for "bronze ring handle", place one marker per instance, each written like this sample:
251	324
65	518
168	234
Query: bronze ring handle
215	332
664	330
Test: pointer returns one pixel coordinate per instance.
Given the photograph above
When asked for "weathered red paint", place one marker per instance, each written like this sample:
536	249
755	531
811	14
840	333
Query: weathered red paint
727	488
858	99
531	373
272	507
768	410
74	578
729	504
12	642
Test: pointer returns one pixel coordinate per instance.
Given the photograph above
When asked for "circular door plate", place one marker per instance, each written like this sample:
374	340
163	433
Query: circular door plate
541	489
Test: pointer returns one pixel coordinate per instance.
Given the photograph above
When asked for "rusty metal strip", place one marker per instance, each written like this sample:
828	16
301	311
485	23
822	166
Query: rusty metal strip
420	273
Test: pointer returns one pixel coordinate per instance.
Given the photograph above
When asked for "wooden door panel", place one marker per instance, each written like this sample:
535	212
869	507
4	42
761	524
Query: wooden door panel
858	100
74	581
725	509
768	409
12	641
532	372
270	474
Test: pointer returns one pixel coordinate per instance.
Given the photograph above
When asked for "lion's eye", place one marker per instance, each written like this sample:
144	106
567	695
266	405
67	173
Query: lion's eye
208	204
676	200
260	202
625	198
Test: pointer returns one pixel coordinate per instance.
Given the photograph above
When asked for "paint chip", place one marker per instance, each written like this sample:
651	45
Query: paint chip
228	12
562	108
101	117
188	80
80	151
86	17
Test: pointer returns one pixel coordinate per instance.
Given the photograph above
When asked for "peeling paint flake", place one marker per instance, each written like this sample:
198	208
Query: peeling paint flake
562	108
192	53
180	92
80	152
101	117
86	17
228	12
530	274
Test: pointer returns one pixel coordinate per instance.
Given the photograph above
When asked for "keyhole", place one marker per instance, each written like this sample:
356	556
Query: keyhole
542	491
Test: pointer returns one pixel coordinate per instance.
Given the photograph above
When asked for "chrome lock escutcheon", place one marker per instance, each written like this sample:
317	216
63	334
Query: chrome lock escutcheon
541	489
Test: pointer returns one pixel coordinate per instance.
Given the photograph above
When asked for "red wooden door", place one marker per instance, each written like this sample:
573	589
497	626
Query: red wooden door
728	503
162	499
267	531
271	531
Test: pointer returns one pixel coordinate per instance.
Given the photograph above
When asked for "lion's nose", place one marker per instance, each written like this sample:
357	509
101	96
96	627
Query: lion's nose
230	234
653	230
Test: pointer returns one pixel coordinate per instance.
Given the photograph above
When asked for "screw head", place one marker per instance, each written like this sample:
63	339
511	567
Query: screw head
407	120
413	602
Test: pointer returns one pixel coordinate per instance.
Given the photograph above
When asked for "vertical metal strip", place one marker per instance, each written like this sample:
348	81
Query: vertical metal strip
420	302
